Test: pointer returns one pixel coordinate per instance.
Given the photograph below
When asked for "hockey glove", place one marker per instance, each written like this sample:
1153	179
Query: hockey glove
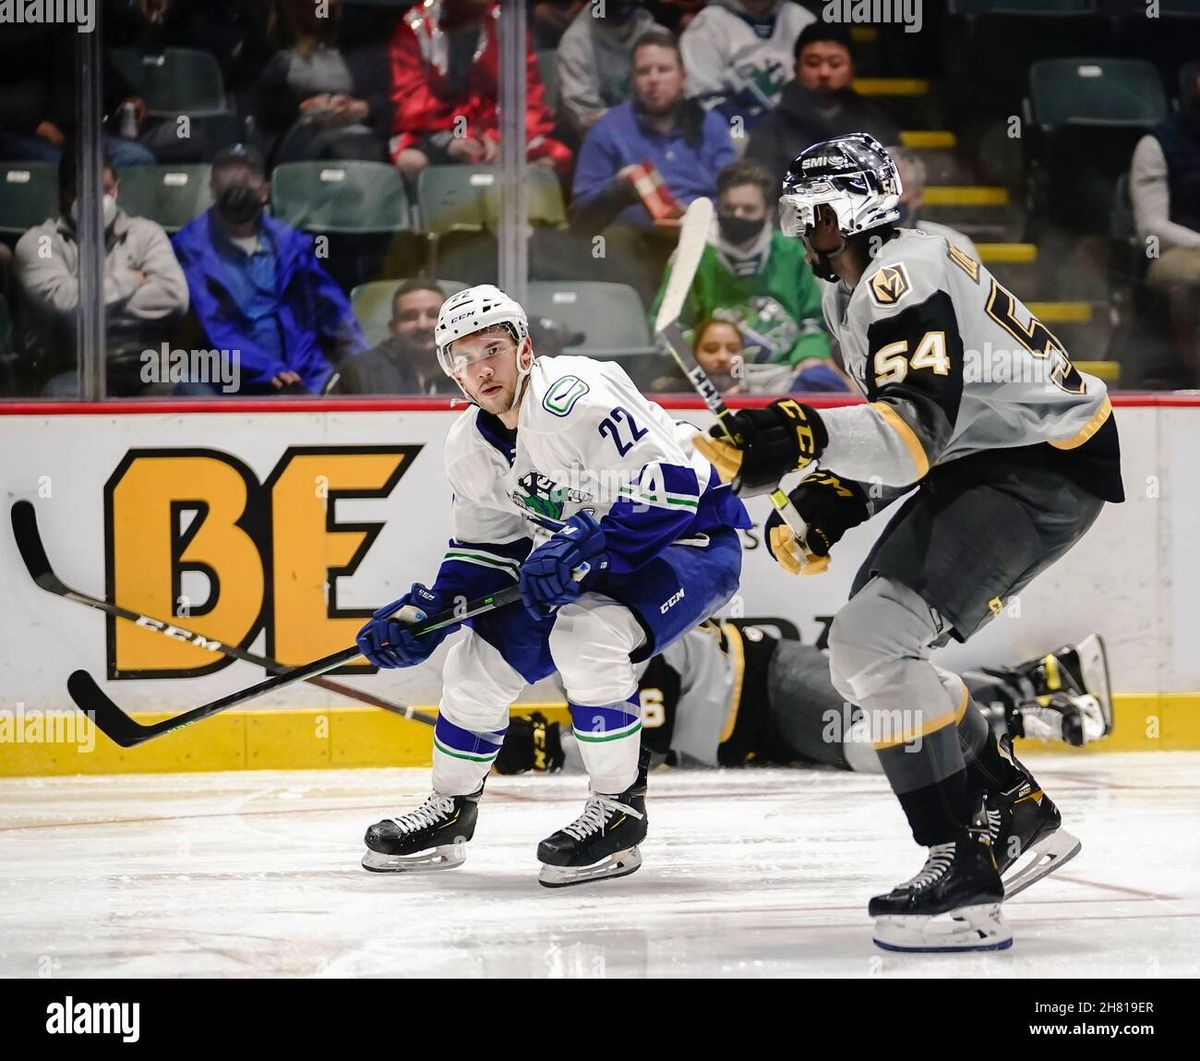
830	506
547	580
531	743
781	438
387	640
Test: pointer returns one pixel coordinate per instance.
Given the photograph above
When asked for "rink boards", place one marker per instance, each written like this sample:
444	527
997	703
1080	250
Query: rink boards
279	525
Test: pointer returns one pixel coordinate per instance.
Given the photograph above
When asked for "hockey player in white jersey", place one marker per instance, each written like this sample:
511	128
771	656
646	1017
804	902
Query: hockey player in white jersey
1015	452
622	538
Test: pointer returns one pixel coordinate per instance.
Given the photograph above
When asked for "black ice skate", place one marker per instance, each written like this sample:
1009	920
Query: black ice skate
600	843
953	904
1025	830
434	836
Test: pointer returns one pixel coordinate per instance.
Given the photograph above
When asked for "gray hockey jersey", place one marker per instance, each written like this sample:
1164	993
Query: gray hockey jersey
955	366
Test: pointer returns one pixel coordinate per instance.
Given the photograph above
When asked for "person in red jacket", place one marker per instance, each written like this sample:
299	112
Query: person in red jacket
445	65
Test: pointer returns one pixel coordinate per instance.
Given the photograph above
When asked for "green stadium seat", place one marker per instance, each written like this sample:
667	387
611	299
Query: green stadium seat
169	195
611	317
28	194
341	197
178	81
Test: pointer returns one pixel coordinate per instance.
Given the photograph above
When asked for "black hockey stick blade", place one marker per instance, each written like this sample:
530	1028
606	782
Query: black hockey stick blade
33	552
123	730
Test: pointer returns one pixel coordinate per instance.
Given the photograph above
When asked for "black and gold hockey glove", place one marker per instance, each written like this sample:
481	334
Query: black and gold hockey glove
531	743
781	438
830	506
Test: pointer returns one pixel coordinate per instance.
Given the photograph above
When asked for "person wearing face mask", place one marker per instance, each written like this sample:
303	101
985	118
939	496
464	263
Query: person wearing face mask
752	275
144	287
258	288
593	61
406	361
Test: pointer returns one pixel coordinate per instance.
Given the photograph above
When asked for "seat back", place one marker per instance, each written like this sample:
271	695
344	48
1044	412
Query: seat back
28	194
341	197
372	304
179	80
170	195
611	317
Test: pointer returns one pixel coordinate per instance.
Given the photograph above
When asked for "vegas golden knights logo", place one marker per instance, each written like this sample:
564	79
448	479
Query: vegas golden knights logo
890	284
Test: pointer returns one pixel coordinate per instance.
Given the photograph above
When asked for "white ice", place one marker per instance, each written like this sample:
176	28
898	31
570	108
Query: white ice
746	873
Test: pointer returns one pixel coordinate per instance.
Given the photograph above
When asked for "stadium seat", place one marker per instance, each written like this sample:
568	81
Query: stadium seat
990	44
28	194
341	197
372	304
611	317
467	198
178	81
1088	115
169	195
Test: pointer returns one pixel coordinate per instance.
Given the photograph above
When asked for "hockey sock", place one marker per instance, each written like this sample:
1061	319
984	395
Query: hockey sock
936	812
987	767
610	740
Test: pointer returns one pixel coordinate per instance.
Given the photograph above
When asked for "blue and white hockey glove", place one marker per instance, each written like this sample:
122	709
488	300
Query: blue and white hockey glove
388	641
547	575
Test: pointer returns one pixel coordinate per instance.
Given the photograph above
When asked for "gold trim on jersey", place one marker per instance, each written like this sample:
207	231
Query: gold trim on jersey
1097	421
963	260
913	444
941	722
737	654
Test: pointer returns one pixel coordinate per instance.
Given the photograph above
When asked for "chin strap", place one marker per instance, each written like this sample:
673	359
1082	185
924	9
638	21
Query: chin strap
822	268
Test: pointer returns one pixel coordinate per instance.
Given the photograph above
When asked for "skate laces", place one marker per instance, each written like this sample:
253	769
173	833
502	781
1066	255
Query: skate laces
428	814
596	813
941	856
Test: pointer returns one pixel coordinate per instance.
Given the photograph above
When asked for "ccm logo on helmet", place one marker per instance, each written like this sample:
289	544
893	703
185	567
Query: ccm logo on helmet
461	316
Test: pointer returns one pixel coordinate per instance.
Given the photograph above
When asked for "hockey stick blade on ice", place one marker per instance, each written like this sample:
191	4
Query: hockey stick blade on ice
693	237
37	563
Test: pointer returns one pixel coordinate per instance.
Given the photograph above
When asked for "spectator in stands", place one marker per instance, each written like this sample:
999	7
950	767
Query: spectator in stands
549	19
1164	184
406	361
818	104
754	276
675	15
912	177
686	145
594	58
719	350
738	54
257	287
445	61
38	100
144	288
319	100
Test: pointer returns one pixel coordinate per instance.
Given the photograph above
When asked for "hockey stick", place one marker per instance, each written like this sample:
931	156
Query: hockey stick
693	236
37	563
122	730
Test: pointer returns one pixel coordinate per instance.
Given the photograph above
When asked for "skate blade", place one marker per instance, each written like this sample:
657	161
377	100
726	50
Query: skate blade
448	856
1046	855
620	864
970	928
1093	667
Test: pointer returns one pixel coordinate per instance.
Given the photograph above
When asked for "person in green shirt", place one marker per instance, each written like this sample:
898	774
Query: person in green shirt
753	276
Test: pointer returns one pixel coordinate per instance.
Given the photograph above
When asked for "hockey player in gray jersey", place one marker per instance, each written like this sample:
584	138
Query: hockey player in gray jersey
732	693
1014	451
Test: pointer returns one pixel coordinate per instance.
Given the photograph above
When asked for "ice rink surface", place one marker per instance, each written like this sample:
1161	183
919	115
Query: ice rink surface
747	873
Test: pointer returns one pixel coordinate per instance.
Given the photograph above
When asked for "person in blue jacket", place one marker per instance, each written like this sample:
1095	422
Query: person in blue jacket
258	290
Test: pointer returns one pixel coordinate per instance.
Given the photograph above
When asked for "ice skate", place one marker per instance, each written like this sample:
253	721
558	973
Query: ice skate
432	837
600	843
952	904
1025	831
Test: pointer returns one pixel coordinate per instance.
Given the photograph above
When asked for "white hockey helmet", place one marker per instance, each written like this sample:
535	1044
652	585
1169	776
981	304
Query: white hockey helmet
471	311
853	174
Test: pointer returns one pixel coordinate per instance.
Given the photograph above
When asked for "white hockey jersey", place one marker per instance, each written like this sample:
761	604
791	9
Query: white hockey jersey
586	439
955	367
